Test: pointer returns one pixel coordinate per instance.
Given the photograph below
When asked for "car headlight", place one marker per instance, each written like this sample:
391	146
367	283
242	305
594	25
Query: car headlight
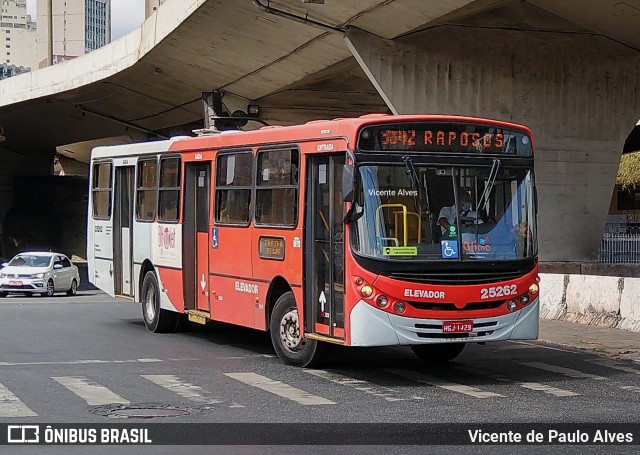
37	275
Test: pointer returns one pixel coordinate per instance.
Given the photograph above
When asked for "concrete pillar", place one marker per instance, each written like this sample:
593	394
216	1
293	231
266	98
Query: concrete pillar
579	92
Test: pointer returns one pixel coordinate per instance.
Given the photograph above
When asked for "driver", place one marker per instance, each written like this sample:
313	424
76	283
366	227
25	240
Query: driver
447	215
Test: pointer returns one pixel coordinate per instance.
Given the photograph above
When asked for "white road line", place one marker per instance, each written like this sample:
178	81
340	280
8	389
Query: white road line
184	389
279	388
548	389
563	371
11	406
632	388
92	393
89	362
448	385
387	393
542	346
615	366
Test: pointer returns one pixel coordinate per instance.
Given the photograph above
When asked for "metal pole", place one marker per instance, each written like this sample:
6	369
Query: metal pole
50	33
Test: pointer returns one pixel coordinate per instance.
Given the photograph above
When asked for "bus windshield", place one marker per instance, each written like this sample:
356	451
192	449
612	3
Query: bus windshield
418	212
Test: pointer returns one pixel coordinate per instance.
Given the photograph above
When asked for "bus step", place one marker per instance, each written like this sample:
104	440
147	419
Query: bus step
315	336
197	316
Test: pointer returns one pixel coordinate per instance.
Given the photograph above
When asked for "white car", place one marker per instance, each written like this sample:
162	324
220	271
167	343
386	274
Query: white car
39	273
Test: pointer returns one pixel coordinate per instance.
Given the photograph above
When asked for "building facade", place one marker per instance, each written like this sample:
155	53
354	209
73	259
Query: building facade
79	26
17	36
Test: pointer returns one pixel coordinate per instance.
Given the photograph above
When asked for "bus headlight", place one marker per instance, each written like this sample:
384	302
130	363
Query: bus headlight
524	299
511	305
399	307
382	301
533	289
366	291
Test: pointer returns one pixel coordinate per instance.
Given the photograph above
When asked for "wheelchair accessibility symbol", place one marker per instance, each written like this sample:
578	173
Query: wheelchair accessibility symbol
449	249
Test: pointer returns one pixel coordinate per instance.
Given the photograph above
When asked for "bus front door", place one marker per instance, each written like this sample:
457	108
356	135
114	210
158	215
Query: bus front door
123	222
324	266
195	263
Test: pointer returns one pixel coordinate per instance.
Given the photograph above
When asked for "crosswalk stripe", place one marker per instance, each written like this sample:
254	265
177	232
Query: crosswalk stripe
563	371
279	388
387	393
548	389
615	366
441	383
92	393
11	406
184	389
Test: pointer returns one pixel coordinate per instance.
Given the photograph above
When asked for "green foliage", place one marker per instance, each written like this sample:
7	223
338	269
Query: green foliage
629	171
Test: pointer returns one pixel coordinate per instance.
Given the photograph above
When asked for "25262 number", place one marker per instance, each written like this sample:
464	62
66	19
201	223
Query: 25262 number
498	291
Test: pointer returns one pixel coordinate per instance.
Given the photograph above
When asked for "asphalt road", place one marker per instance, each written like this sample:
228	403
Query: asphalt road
89	359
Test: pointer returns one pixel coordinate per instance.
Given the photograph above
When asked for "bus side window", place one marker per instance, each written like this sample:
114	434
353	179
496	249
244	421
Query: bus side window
147	189
169	190
277	187
101	190
233	187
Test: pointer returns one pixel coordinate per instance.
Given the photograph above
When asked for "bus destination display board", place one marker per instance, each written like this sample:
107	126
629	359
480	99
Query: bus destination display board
441	137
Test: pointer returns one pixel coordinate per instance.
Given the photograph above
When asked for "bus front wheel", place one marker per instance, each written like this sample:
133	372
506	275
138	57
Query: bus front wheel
291	347
156	319
438	353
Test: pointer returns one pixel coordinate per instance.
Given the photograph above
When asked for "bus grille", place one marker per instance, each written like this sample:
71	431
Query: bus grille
439	306
454	278
448	336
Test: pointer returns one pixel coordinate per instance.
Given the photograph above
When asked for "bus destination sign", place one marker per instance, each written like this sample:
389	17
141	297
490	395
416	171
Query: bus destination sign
271	247
449	137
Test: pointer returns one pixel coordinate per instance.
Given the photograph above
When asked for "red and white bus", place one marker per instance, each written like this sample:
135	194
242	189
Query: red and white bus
371	231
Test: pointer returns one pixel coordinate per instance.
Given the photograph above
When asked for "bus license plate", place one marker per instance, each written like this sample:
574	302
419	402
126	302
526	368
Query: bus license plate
457	326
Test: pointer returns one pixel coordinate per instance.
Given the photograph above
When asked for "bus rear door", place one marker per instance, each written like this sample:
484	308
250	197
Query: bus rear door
196	244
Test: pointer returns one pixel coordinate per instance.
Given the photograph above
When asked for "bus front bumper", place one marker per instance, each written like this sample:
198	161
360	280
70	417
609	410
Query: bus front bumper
373	327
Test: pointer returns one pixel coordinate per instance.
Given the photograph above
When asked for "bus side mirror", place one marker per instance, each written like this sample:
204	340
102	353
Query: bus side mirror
347	183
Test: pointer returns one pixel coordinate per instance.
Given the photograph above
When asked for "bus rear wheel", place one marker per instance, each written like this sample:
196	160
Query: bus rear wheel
438	353
291	347
155	318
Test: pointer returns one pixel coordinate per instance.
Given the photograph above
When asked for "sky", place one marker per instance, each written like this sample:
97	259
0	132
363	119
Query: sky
126	15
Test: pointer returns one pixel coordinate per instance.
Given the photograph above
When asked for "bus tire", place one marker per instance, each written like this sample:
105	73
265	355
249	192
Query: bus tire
156	319
438	353
285	335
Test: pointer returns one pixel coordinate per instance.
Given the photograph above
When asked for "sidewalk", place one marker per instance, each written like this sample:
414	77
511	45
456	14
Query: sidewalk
616	343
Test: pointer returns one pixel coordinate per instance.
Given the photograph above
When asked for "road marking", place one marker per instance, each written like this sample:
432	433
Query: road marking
387	393
548	389
526	385
92	393
279	388
615	366
184	389
563	371
632	388
542	346
11	406
448	385
90	362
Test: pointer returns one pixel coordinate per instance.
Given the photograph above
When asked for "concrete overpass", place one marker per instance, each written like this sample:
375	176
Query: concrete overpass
570	70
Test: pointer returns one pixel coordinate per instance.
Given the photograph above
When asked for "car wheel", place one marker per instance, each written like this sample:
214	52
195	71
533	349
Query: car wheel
292	348
438	353
50	289
156	319
3	294
73	290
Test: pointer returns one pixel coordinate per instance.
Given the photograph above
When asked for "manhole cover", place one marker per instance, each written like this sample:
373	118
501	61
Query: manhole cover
147	413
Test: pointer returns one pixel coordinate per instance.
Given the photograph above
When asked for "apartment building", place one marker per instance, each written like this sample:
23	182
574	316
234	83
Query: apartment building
17	36
79	26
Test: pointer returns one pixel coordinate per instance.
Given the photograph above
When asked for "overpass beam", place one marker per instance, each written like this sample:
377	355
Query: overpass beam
578	92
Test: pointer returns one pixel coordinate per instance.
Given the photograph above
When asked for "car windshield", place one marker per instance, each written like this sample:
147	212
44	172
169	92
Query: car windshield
30	260
410	212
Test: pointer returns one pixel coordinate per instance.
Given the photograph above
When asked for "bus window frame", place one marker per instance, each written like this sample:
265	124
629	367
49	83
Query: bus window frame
155	188
96	189
292	148
219	187
170	188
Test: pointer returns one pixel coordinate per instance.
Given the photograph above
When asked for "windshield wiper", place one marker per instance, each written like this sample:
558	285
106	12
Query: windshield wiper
423	199
491	181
